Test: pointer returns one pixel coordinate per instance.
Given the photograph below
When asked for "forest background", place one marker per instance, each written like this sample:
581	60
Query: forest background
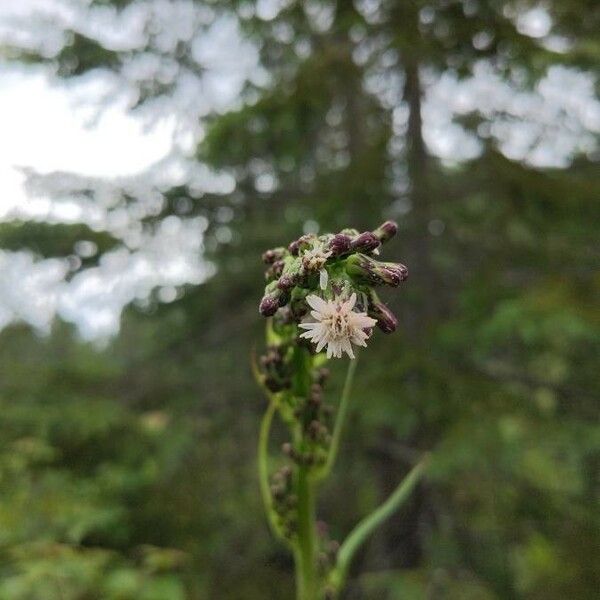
130	284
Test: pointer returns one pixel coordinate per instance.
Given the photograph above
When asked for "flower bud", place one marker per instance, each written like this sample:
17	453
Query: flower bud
302	243
273	300
386	319
316	389
365	242
322	528
286	282
287	449
268	305
314	429
272	255
375	272
274	270
315	400
340	244
277	491
386	231
322	375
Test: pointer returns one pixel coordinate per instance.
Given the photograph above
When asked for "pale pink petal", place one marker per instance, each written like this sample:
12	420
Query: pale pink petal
360	342
337	326
348	348
323	279
316	303
320	345
349	304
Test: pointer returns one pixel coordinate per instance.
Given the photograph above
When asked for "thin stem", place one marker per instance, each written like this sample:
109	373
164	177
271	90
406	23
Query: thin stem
339	421
306	575
366	527
263	469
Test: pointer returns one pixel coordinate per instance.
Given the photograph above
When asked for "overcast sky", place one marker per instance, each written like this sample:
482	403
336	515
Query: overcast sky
61	136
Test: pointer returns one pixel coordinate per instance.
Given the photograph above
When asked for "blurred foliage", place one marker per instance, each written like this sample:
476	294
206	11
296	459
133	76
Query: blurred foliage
54	239
129	472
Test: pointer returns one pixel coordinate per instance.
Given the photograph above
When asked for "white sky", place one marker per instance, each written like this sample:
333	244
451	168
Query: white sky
48	127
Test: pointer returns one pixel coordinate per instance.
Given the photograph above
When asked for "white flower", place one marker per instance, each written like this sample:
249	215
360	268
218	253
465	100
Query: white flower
337	326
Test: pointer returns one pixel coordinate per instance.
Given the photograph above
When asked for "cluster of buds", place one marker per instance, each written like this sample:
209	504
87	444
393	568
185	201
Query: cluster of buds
332	278
285	501
276	368
328	548
313	415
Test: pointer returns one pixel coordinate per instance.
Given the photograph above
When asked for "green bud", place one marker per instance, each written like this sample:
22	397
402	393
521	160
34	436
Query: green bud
386	231
374	272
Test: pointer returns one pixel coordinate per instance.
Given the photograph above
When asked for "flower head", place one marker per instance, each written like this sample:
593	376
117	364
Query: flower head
337	325
338	264
314	260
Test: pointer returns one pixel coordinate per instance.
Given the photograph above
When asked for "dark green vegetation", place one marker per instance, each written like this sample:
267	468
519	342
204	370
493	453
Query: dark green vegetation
130	473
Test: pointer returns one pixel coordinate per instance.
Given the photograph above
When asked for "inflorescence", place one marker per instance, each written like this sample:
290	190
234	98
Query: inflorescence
324	285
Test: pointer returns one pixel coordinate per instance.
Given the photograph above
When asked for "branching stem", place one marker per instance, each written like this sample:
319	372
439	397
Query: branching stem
263	469
339	421
368	525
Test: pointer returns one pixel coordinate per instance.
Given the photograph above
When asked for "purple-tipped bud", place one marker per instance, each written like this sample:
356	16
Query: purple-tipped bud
286	282
274	270
392	273
386	231
375	272
273	299
273	255
386	319
302	243
365	242
294	248
340	244
268	305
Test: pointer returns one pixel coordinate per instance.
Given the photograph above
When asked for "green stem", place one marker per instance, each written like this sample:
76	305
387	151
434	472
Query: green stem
263	468
339	421
306	575
306	542
366	527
